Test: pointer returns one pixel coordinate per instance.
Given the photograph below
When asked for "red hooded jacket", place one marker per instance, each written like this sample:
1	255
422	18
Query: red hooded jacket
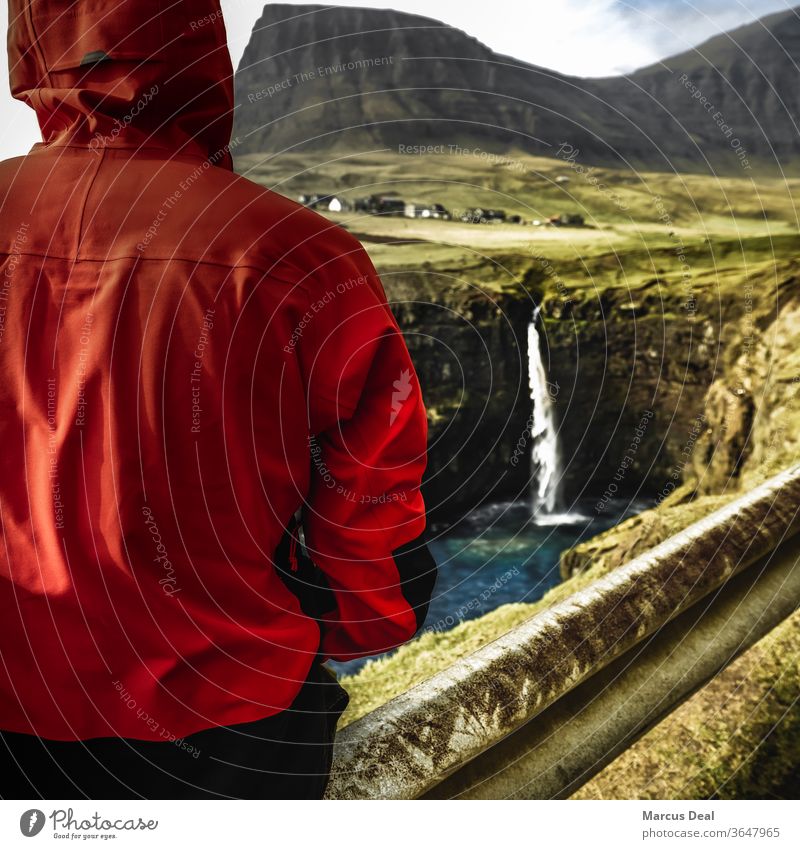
187	360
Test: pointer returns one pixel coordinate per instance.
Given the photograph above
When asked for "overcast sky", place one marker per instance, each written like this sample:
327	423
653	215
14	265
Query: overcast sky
583	37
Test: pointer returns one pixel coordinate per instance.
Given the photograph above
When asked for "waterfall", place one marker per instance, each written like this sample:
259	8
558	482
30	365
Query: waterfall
545	455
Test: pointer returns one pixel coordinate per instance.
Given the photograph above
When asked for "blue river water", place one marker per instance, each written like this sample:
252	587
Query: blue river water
499	554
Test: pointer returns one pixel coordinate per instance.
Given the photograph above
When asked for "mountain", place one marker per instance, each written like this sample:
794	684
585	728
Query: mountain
354	79
750	80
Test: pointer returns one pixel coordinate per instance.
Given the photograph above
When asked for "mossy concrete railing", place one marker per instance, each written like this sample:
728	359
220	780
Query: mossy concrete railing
540	710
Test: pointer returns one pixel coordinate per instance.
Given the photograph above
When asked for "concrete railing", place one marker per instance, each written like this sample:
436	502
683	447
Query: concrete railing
539	711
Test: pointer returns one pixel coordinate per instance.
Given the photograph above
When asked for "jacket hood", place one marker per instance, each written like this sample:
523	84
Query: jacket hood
125	73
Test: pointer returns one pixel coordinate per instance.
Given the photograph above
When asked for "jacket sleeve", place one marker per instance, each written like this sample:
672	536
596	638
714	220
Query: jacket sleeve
364	519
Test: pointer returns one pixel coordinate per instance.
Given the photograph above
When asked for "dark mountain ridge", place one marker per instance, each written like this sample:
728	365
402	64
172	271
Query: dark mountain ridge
345	78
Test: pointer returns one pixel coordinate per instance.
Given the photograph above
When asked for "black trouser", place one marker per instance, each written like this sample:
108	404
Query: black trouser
286	756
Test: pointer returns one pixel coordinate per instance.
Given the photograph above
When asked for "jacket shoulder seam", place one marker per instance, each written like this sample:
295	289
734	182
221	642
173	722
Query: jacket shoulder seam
193	260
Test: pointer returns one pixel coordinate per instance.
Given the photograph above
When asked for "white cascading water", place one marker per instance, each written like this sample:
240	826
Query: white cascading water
545	455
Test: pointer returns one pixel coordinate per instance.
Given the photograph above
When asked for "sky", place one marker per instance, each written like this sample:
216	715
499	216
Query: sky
582	37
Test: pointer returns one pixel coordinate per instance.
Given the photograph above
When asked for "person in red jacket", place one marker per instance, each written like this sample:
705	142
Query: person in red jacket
213	436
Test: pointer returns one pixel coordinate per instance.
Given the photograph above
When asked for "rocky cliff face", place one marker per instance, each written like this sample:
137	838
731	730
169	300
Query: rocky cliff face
748	428
470	352
658	396
632	377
